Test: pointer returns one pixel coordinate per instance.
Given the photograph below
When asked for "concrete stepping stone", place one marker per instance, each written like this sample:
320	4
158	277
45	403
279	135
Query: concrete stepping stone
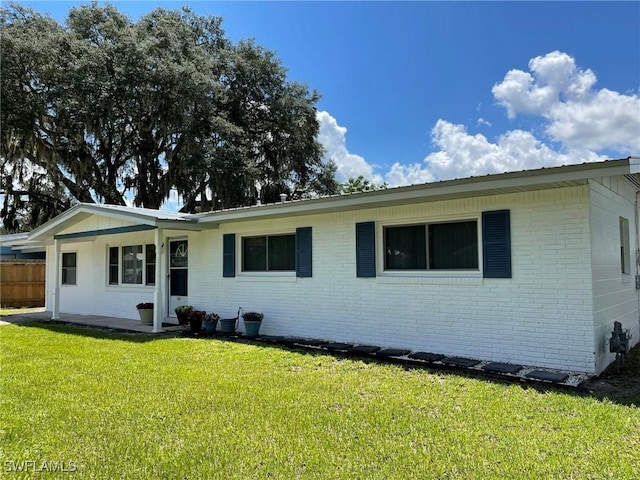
555	377
366	349
270	338
311	343
427	357
460	361
499	367
392	352
338	347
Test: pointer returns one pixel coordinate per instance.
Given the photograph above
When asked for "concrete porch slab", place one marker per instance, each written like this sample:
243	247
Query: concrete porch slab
125	324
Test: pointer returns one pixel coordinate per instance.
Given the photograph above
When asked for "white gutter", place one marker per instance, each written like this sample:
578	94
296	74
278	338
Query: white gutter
460	188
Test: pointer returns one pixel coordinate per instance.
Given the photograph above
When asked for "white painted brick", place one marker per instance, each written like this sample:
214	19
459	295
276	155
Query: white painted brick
546	315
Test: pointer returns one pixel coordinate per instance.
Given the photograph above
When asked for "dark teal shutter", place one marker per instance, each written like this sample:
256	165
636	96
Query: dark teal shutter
229	255
303	252
366	249
496	244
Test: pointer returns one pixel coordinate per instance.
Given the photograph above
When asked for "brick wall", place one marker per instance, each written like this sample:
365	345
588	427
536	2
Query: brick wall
542	316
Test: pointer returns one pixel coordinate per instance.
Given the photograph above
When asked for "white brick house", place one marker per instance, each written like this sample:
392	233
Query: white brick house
527	267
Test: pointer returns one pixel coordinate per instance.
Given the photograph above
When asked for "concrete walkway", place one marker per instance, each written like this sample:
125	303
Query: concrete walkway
125	324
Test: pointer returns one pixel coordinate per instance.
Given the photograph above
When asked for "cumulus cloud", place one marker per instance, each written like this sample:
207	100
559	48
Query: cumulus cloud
579	122
461	154
577	115
333	138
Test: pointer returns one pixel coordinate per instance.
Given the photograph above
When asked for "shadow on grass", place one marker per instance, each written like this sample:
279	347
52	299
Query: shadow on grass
620	387
92	331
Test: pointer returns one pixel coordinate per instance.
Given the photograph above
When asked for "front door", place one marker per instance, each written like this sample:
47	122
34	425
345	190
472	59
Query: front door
178	275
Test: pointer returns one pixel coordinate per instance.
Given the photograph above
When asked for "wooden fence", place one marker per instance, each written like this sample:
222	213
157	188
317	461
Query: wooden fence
22	283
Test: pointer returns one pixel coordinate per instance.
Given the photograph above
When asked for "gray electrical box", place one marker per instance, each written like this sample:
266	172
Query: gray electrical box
637	282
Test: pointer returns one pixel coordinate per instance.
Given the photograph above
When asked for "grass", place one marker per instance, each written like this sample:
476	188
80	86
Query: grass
6	311
131	407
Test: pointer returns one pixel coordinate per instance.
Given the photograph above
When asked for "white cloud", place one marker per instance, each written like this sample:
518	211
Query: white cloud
333	138
582	120
576	114
462	155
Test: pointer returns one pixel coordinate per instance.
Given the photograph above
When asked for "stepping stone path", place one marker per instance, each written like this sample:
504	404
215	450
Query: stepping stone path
427	357
460	361
498	367
555	377
392	352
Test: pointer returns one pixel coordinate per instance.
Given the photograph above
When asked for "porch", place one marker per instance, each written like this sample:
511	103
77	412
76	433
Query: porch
96	321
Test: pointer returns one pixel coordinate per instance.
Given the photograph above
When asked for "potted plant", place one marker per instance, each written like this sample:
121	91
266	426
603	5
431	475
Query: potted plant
196	317
183	312
145	310
210	322
252	322
229	325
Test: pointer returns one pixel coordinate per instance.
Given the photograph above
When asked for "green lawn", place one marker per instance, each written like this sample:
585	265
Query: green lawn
124	406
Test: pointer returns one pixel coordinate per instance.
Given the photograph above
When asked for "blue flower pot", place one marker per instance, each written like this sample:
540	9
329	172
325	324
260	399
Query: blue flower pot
252	327
210	327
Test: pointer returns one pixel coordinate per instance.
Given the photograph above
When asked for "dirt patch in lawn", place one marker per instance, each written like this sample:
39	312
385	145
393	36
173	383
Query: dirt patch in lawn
619	385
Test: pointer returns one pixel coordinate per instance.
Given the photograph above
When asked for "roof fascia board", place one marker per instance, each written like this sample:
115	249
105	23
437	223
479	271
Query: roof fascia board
190	224
106	231
83	211
466	187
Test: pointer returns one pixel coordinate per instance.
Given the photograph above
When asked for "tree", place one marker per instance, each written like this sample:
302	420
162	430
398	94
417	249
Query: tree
361	184
107	110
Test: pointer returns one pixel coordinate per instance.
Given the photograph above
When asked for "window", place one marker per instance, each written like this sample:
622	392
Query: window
69	268
150	262
625	254
114	265
435	246
129	266
269	253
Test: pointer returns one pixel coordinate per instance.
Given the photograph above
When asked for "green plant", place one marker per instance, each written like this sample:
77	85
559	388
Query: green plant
183	310
252	316
145	306
197	315
211	317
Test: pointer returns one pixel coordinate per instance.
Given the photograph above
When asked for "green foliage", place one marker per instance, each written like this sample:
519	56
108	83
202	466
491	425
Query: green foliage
103	109
125	406
360	184
253	316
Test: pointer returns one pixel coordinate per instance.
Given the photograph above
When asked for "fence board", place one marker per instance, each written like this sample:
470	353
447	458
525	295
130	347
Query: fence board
22	283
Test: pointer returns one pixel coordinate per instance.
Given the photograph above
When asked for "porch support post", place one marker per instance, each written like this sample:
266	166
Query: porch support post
158	301
56	280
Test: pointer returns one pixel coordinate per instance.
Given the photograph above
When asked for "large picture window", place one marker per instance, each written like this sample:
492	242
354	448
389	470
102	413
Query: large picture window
128	265
69	268
434	246
274	253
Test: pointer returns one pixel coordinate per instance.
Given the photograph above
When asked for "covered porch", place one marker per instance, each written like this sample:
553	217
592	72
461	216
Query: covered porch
96	321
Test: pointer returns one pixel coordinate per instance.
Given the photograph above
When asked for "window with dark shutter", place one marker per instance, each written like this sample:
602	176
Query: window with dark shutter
366	249
303	252
229	255
496	244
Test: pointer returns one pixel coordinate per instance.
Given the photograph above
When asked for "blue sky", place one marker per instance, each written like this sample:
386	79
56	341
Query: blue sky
423	91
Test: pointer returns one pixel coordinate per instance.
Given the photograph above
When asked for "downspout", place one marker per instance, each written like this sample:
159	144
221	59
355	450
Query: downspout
634	167
637	256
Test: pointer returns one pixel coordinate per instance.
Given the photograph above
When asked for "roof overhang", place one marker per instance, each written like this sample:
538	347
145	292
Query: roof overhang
139	217
512	182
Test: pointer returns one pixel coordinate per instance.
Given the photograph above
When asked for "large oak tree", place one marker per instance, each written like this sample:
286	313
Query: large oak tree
103	109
